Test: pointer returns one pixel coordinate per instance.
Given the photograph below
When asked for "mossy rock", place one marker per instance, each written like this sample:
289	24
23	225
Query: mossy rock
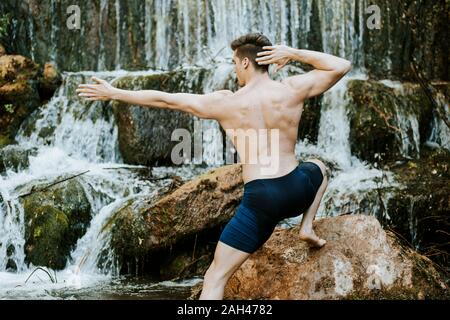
5	140
55	218
420	211
310	120
46	243
159	231
20	82
15	158
375	112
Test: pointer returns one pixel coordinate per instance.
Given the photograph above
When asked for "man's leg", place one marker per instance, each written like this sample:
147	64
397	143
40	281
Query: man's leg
306	230
226	261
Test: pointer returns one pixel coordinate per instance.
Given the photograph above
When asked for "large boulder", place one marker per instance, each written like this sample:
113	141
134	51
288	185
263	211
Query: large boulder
24	86
420	210
56	216
18	94
147	225
388	122
359	261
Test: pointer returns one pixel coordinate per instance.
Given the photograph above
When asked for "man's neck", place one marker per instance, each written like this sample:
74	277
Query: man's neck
256	78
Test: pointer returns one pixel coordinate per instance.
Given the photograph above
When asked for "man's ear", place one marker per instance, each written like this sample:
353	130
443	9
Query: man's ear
246	62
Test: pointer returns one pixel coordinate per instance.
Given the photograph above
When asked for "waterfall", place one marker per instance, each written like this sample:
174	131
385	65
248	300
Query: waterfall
12	232
73	136
180	32
55	30
80	129
440	132
104	8
334	125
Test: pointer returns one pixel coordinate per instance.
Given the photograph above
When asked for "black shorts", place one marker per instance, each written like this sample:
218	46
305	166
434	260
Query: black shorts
268	201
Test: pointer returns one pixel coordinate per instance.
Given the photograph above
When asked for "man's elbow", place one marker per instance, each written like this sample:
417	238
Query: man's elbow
345	67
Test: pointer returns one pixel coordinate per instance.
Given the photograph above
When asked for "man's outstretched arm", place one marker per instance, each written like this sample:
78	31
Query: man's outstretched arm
206	106
328	69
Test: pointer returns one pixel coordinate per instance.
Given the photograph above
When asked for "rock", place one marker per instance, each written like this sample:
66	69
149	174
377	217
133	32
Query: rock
420	210
10	250
410	30
18	94
145	133
24	86
6	140
15	71
55	218
15	157
388	124
45	238
147	225
11	266
310	120
189	258
359	261
2	50
50	81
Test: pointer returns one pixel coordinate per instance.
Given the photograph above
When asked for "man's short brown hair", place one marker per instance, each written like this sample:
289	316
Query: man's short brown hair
249	45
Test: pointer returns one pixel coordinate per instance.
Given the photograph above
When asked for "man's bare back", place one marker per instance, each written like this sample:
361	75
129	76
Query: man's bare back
269	105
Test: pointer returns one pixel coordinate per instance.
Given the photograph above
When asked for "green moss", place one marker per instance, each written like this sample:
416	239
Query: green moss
374	108
5	21
45	237
420	211
9	108
55	219
5	140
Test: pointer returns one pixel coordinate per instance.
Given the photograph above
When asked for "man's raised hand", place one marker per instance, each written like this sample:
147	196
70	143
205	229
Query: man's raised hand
278	54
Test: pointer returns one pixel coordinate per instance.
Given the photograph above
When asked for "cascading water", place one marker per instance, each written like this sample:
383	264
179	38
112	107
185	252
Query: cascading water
167	34
73	137
440	132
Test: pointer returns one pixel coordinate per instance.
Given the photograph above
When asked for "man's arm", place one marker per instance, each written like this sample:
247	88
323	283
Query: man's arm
207	106
328	69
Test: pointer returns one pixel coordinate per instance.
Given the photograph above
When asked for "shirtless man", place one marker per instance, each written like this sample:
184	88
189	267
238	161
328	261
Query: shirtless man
261	104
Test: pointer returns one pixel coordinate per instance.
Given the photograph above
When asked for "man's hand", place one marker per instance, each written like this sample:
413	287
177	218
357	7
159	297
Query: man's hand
100	91
278	54
327	71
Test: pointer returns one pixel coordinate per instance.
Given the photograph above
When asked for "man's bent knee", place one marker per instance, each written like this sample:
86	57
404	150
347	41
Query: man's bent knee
325	170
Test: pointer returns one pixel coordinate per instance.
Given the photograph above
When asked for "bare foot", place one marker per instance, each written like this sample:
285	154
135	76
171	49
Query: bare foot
312	239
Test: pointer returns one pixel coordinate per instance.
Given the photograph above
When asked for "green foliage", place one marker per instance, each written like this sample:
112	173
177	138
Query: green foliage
5	21
9	108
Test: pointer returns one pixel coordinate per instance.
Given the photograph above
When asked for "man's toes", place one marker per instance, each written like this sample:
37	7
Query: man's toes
321	243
